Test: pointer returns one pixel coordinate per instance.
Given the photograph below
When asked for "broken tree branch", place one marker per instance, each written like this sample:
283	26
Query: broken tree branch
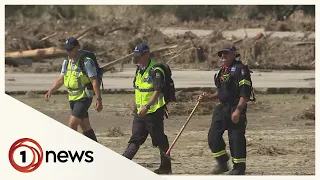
82	33
180	54
238	41
116	29
47	37
108	65
101	53
169	53
245	31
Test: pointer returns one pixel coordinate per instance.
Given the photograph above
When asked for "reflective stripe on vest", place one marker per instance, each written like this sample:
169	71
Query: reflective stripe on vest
75	81
144	90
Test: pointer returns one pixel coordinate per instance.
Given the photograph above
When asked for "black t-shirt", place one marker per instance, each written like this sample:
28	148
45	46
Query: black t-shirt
233	82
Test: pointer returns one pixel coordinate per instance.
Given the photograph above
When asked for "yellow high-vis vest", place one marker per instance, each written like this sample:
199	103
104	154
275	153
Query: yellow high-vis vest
144	89
76	82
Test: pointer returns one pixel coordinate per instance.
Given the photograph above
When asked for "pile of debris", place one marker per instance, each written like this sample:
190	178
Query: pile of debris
269	151
113	40
307	114
115	131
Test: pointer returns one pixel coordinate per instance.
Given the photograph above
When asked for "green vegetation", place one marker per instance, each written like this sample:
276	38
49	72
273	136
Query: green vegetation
200	12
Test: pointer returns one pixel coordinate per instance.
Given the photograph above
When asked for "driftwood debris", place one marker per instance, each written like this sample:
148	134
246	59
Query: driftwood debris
47	37
116	29
110	64
178	53
57	52
82	33
46	52
305	43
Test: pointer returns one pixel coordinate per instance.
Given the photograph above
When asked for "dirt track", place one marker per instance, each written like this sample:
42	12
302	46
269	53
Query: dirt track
183	79
280	142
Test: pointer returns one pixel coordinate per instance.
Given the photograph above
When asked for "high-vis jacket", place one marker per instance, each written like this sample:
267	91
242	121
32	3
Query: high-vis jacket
76	82
144	89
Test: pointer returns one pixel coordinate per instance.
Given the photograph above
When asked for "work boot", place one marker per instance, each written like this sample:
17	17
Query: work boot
165	166
162	170
220	168
235	172
238	169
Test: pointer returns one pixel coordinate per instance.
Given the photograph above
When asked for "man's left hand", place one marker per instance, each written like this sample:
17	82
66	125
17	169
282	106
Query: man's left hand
143	111
235	116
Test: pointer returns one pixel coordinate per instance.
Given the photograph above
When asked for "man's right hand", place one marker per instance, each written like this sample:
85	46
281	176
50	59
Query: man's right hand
47	95
203	97
99	106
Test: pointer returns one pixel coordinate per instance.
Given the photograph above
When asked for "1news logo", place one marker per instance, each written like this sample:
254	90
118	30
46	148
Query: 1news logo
26	155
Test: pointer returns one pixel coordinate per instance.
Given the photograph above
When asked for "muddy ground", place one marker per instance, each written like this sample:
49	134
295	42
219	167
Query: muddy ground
280	132
116	30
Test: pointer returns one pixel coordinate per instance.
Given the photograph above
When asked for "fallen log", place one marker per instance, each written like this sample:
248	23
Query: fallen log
18	62
36	53
108	65
56	52
305	43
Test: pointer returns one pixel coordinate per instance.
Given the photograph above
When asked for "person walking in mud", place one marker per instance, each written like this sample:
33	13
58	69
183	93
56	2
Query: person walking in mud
150	108
82	84
234	88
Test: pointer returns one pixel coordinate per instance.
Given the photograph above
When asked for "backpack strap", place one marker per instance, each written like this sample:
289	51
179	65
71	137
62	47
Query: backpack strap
81	57
135	77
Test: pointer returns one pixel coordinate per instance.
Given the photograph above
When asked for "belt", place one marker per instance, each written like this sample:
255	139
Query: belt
226	103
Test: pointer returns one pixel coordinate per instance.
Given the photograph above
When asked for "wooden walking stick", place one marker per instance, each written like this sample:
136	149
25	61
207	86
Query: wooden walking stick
181	130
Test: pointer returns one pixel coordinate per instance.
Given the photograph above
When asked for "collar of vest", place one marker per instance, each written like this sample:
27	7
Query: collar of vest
147	68
143	69
77	57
